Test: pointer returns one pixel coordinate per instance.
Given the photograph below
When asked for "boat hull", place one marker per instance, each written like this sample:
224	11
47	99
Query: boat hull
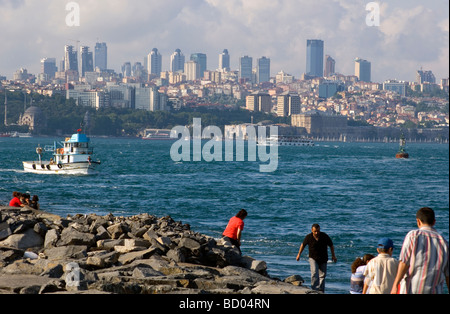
78	168
402	156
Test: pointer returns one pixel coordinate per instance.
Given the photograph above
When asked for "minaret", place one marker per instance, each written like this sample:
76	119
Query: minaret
6	109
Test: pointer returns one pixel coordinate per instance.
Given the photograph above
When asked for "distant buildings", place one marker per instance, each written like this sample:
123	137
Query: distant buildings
330	65
314	57
201	59
259	101
396	86
70	59
363	70
48	68
154	63
101	56
319	123
246	69
87	60
177	61
224	61
192	70
425	76
288	104
263	70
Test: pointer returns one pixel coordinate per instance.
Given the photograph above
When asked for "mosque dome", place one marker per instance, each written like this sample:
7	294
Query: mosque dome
35	118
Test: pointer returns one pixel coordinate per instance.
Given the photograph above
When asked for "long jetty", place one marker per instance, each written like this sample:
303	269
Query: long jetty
42	253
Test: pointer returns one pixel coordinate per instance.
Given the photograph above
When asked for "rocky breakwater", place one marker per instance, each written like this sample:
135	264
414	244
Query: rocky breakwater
142	254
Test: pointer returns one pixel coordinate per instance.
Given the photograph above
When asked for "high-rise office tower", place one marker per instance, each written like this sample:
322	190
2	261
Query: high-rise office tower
201	59
330	66
314	57
246	68
70	58
48	67
101	56
87	60
425	76
126	69
154	63
263	70
192	70
224	61
363	70
137	70
177	60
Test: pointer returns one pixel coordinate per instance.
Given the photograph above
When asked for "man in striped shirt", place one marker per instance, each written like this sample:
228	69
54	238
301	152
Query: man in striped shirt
424	261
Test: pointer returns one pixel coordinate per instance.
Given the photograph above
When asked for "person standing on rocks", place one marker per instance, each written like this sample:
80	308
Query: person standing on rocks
233	231
318	243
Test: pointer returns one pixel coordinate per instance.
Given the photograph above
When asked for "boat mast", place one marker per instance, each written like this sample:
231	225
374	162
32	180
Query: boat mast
402	143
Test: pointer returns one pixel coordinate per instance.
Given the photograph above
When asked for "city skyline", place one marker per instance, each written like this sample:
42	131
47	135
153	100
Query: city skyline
411	35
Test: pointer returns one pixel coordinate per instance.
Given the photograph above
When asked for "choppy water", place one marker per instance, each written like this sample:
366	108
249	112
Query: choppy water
357	192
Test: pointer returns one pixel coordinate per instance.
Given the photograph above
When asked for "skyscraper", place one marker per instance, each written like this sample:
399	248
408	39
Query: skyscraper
87	60
177	60
224	61
314	57
101	56
154	62
246	68
70	59
201	59
48	67
126	69
263	70
330	65
425	76
363	70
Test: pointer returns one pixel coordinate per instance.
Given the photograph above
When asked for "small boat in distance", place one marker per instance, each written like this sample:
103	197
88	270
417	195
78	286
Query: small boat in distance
284	140
402	154
73	157
159	135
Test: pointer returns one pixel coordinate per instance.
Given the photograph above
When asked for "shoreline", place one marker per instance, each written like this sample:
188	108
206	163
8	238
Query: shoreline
44	253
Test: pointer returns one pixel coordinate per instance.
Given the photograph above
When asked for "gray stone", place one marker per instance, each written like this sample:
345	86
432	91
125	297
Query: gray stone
26	240
51	238
71	236
66	252
189	244
5	230
130	257
145	272
176	255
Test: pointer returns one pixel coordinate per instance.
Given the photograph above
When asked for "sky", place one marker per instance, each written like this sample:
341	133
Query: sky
412	34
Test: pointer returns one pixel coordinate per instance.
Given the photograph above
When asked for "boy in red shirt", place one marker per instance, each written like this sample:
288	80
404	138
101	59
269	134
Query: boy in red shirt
233	231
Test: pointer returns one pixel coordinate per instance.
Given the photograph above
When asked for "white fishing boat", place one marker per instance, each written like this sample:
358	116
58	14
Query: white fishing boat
71	157
284	140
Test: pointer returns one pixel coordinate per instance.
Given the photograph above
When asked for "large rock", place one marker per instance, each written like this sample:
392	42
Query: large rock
28	239
5	230
71	236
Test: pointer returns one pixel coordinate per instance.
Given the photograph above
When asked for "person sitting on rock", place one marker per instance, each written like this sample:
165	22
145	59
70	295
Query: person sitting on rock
35	202
15	202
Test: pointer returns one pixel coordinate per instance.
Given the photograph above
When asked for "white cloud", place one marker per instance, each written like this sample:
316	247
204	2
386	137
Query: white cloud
412	33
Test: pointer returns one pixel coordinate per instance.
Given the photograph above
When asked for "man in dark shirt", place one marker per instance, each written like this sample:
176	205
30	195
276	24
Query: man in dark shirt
318	243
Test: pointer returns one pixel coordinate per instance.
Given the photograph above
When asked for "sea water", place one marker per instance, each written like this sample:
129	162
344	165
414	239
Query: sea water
356	192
